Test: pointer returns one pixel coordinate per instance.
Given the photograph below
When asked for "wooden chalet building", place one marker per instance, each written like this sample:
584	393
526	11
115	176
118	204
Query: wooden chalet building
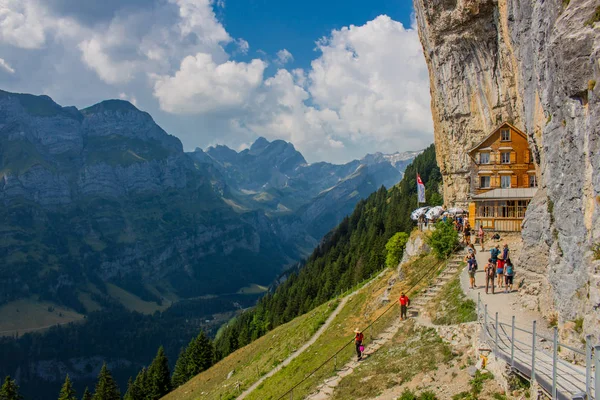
503	180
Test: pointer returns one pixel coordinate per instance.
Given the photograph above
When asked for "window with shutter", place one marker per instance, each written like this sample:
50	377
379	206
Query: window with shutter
505	181
513	181
526	156
505	157
513	157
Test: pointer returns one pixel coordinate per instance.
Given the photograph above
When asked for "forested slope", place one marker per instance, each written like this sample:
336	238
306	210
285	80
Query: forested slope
347	255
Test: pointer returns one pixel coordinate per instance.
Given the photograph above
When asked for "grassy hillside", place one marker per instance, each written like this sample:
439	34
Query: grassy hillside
247	364
257	358
360	311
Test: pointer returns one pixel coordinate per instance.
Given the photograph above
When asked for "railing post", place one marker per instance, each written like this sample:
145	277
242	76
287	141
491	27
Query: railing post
597	371
478	305
512	343
533	353
485	320
554	361
496	334
588	365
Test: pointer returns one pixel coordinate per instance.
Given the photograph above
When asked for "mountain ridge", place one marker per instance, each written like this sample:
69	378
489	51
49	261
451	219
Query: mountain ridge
102	175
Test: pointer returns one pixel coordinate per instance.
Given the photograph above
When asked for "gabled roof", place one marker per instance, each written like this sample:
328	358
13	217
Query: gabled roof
496	129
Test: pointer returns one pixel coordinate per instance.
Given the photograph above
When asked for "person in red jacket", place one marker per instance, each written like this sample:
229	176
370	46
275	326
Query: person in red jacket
404	303
358	340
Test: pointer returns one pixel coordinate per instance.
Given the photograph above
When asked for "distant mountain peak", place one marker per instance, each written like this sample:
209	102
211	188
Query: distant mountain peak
110	105
259	145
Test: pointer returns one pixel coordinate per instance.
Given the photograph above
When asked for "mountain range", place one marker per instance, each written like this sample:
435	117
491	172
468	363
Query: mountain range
104	195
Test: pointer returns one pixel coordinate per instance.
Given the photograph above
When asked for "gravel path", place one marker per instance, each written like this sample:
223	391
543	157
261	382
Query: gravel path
570	377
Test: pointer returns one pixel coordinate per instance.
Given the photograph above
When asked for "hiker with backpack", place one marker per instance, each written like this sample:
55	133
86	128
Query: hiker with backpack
490	275
472	268
404	303
358	342
509	274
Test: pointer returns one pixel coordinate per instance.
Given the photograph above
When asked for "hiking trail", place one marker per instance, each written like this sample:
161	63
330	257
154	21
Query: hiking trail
310	342
326	389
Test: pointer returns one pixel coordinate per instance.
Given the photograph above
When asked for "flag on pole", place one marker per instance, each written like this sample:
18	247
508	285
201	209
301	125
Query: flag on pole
420	190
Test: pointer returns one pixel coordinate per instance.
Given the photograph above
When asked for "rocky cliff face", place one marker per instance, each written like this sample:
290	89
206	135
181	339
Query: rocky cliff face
534	64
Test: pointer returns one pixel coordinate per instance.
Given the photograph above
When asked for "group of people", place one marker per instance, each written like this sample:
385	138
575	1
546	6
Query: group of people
499	269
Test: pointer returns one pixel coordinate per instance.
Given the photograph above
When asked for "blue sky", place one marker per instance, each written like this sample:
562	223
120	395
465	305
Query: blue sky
337	78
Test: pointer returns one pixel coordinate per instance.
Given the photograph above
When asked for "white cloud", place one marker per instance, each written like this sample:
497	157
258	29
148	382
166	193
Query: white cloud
375	78
6	66
243	46
198	17
284	56
367	91
202	86
22	24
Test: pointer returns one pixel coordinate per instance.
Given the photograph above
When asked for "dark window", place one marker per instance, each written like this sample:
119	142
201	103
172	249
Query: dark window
484	182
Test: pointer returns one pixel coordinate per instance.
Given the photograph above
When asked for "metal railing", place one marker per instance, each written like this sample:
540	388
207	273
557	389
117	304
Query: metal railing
536	357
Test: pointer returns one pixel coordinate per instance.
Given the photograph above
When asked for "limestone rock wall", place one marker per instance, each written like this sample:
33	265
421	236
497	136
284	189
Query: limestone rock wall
535	65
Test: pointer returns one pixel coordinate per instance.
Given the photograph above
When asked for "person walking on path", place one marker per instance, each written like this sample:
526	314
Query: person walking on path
358	342
471	249
494	253
509	274
500	269
472	265
505	252
404	303
467	234
481	235
490	275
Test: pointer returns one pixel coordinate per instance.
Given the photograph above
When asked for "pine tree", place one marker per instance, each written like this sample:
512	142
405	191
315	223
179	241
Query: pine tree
86	394
159	375
67	392
106	388
10	390
200	355
180	375
139	388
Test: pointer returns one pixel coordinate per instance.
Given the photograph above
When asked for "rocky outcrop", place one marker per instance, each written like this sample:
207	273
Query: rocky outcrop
534	64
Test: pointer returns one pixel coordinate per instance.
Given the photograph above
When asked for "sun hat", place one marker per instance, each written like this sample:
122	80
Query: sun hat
357	330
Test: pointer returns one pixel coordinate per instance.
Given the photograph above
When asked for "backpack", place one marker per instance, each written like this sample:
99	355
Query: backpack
494	253
509	269
491	270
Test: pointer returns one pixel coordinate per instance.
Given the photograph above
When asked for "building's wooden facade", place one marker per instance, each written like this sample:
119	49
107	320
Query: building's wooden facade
502	160
503	179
